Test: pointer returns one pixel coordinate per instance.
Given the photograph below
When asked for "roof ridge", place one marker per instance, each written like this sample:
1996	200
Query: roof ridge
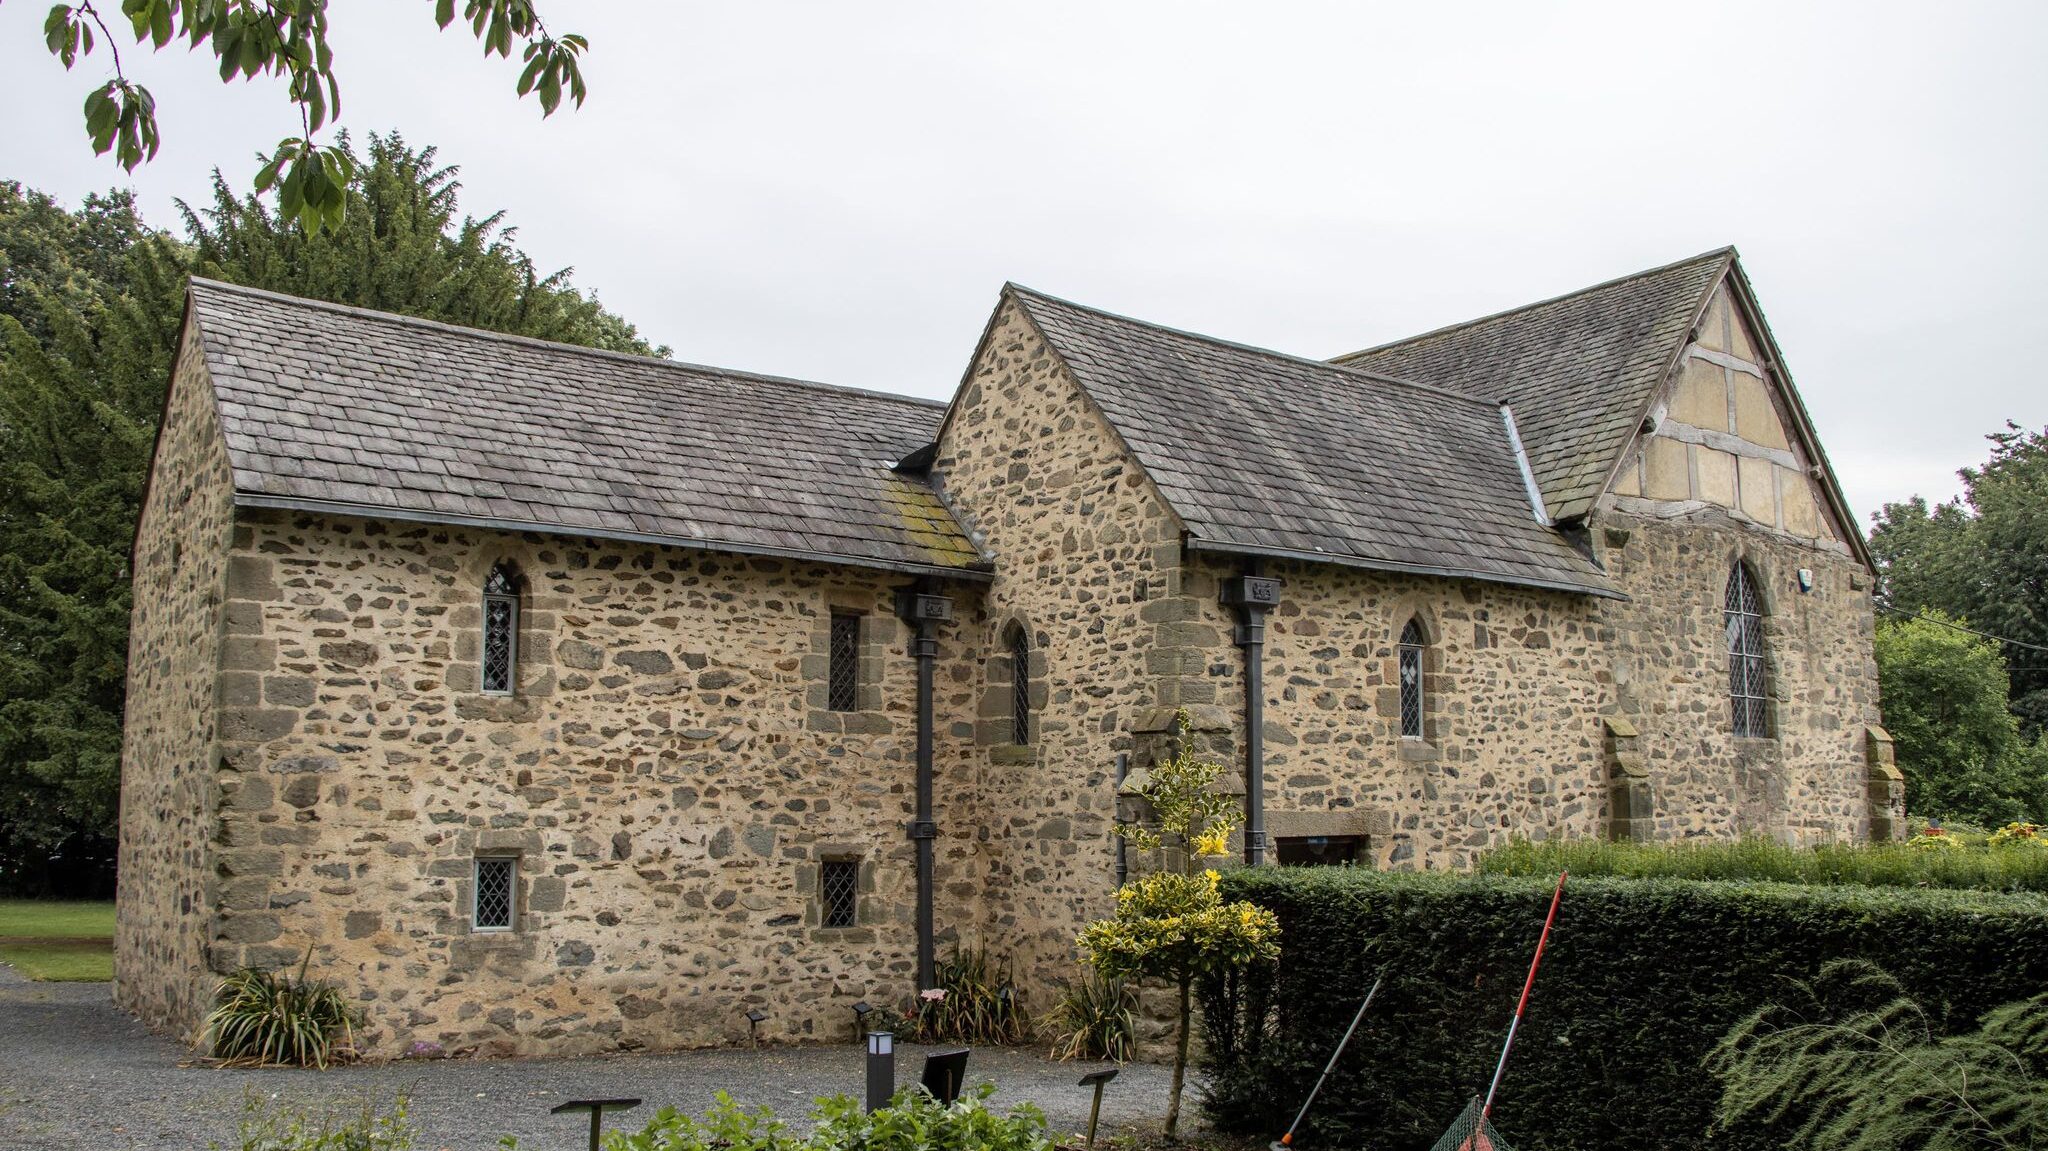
1726	251
554	345
1286	357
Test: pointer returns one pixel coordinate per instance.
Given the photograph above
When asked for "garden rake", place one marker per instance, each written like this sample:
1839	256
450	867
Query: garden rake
1287	1140
1471	1131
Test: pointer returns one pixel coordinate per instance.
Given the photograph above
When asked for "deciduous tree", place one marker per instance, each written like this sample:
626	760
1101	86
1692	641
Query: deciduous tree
1172	924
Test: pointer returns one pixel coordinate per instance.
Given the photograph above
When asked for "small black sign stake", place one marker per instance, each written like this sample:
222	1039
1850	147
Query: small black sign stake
1097	1080
597	1108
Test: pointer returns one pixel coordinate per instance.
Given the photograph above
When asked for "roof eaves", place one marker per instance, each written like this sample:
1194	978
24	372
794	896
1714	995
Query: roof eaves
981	570
1578	587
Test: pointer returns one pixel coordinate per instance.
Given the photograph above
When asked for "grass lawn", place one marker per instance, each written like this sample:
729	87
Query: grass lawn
58	942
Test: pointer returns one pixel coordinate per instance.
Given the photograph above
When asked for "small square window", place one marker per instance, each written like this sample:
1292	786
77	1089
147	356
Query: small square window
842	690
494	894
839	891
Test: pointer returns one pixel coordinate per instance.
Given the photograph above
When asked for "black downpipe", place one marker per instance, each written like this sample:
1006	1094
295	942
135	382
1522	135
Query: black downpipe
1253	594
1123	772
925	612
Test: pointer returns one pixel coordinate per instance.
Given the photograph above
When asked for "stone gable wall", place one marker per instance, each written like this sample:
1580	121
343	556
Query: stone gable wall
1807	782
166	884
1089	565
666	775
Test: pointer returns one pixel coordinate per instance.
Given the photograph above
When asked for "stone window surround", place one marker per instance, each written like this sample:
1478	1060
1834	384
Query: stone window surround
462	922
1426	748
533	644
810	884
1763	576
877	630
997	727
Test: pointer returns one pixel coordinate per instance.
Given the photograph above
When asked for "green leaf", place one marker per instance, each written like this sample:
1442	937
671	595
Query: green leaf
160	23
444	13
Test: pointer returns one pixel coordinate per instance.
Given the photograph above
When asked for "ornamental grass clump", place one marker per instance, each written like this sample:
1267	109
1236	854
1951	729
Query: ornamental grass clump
271	1018
1096	1018
976	1001
1172	925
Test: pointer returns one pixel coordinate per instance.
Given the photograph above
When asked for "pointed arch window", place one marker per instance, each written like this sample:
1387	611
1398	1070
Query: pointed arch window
1412	642
1748	690
1020	686
501	631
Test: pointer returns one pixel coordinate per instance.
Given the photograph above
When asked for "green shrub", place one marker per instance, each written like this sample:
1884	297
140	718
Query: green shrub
726	1126
1960	858
977	1003
913	1121
1096	1019
1642	978
362	1126
272	1018
1853	1064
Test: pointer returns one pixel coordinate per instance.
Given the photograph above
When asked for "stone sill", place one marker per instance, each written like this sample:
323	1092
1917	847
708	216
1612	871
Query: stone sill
1419	751
1013	753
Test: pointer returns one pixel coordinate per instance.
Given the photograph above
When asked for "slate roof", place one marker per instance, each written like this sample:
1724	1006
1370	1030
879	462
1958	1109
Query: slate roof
337	408
1264	453
1579	369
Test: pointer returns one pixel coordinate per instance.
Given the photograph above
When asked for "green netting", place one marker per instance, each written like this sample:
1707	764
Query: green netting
1471	1133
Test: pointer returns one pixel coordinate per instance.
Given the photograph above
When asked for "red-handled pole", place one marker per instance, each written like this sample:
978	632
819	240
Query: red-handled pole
1501	1067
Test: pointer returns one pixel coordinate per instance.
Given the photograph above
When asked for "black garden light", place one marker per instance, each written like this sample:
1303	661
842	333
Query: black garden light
861	1011
755	1017
881	1069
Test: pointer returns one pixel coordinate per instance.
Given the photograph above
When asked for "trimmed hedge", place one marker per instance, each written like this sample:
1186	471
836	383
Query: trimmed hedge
1641	978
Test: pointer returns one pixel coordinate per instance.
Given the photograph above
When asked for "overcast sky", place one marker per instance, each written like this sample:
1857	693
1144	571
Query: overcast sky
837	191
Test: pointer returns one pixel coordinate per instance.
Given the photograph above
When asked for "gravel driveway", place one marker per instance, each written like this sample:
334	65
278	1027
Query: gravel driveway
76	1072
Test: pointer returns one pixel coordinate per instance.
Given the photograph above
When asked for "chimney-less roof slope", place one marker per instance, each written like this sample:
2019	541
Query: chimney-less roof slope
1579	370
1263	453
367	413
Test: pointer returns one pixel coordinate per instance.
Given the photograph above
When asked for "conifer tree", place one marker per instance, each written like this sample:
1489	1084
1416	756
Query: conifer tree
90	306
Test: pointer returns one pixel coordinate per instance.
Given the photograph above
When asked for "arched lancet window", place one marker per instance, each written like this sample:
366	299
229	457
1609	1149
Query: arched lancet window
1412	642
1742	611
501	631
1020	686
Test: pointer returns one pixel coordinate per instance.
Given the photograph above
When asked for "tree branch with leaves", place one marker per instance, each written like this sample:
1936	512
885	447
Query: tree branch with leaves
289	39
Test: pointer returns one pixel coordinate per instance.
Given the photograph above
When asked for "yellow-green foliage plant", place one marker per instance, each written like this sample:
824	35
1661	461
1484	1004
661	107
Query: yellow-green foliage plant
1172	925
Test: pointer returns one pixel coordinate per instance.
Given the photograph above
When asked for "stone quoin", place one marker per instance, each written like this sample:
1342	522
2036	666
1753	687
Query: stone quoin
557	701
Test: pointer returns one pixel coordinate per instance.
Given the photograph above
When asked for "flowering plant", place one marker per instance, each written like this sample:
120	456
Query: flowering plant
2019	835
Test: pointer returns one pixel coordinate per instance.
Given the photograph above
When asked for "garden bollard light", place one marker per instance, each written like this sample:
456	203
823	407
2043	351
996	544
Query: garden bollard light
1096	1079
881	1069
597	1108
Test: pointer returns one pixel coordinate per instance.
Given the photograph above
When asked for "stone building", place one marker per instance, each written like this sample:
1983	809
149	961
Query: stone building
554	700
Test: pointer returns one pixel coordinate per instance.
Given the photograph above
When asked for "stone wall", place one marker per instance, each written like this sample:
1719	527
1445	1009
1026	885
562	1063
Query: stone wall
666	775
1089	566
1806	782
166	885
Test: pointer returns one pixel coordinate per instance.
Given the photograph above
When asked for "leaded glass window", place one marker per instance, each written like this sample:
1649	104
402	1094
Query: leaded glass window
839	891
1412	643
494	894
1020	687
843	684
1748	691
501	631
